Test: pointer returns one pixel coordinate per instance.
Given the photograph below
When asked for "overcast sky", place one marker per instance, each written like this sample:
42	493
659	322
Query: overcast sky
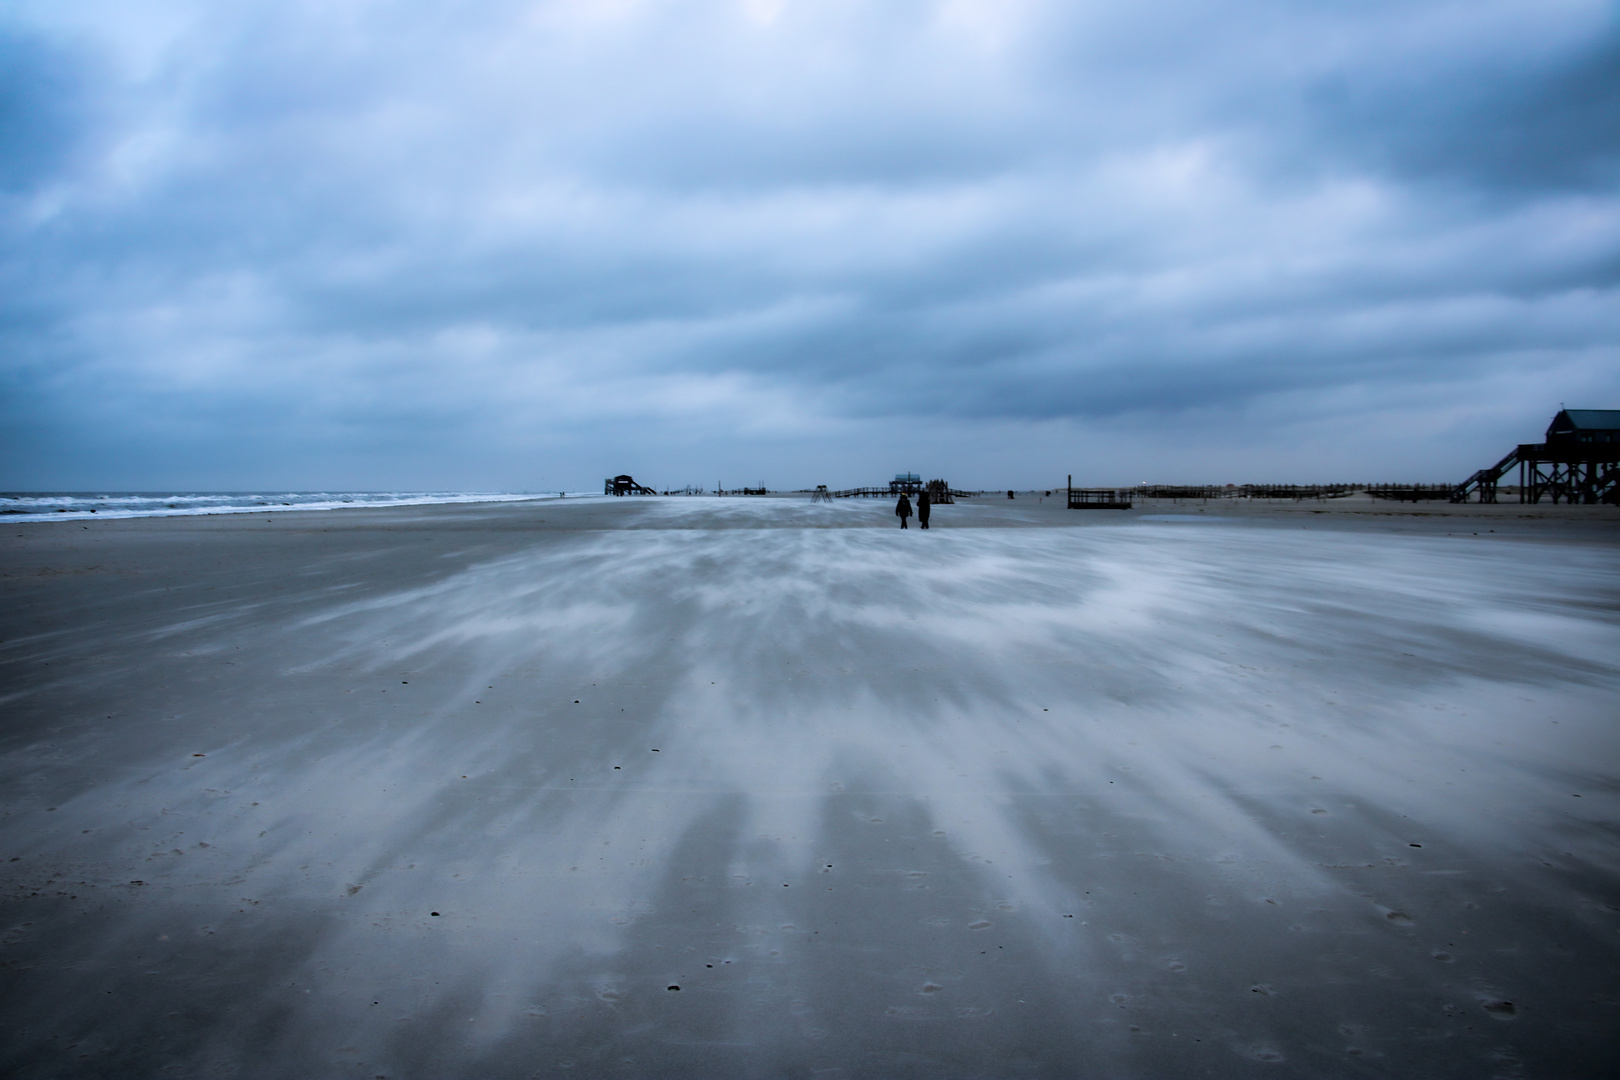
490	245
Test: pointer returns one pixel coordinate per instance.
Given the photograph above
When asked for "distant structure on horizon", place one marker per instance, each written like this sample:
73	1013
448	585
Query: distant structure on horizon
1578	463
903	484
625	484
1095	498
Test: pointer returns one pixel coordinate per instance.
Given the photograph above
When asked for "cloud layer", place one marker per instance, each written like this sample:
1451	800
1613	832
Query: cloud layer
527	245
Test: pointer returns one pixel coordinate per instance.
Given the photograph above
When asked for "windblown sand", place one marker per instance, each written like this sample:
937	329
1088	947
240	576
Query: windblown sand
754	787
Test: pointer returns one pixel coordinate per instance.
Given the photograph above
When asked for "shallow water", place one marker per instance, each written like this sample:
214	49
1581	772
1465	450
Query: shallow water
55	506
1141	799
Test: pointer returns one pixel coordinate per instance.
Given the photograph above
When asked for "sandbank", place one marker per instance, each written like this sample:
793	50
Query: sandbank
672	787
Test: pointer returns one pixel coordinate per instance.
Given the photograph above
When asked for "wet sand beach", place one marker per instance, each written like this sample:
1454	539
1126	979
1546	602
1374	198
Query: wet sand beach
675	787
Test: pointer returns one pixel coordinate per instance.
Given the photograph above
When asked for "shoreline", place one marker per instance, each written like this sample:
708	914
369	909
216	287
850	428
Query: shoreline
1359	503
116	514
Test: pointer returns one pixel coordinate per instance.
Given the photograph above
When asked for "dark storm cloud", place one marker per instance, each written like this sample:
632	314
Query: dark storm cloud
43	108
378	239
1514	127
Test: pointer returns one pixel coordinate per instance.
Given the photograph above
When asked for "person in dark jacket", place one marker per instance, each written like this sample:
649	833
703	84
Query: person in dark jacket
903	508
923	506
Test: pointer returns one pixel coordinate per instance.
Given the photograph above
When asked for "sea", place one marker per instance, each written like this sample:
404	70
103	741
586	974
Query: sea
70	505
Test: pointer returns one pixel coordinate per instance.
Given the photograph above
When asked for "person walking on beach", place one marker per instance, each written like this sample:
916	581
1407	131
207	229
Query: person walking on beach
923	506
903	508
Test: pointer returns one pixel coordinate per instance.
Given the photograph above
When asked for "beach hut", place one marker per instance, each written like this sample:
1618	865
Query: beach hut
1585	426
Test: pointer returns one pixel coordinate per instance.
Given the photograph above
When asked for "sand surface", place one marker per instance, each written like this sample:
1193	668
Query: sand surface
1300	790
